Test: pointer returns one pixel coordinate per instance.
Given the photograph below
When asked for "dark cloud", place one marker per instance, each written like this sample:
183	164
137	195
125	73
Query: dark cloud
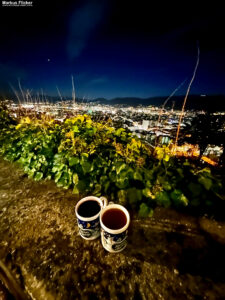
99	80
83	22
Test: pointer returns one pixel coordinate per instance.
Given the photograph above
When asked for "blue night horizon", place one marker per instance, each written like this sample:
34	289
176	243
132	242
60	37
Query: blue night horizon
112	49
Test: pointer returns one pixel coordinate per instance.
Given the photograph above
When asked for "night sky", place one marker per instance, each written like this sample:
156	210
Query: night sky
112	48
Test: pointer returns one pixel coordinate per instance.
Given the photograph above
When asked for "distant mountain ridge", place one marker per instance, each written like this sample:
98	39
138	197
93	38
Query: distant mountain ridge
196	102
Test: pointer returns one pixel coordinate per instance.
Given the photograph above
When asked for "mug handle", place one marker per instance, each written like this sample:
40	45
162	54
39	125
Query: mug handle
104	201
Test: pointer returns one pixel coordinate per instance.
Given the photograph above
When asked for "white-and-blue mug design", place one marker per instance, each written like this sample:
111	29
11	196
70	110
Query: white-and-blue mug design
89	228
114	240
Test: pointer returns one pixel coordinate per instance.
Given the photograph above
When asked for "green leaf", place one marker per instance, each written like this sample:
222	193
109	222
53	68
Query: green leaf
119	167
163	198
147	193
206	182
149	174
122	183
83	185
75	128
57	176
22	161
106	186
97	190
186	163
205	170
64	181
175	195
84	156
178	197
75	179
134	195
148	183
38	176
184	200
166	186
87	167
180	172
73	161
58	157
137	176
119	131
75	190
122	197
145	211
103	179
55	169
31	173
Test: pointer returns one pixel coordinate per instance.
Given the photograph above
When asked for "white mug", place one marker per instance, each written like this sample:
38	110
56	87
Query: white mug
89	227
114	240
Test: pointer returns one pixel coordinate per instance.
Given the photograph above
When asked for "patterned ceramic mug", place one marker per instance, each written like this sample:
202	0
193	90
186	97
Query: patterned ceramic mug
87	212
114	220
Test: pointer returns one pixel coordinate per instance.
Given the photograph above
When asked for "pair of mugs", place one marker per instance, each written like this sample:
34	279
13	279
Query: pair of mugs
95	216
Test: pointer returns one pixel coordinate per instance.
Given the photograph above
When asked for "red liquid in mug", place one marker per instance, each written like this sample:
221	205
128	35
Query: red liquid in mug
114	218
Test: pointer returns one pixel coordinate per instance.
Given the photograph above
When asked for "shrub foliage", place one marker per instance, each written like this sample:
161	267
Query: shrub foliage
95	158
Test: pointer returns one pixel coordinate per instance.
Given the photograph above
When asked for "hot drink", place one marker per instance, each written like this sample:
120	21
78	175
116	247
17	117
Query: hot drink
89	209
114	218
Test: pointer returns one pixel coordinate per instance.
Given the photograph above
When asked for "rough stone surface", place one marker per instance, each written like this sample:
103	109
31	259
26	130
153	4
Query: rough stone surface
170	256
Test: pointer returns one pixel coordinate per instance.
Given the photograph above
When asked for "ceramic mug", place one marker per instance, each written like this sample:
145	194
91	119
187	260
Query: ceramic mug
89	227
114	239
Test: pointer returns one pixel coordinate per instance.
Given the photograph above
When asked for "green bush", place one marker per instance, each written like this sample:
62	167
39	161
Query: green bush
94	158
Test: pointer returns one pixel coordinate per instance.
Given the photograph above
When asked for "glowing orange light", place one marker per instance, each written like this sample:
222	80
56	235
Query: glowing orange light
209	161
189	150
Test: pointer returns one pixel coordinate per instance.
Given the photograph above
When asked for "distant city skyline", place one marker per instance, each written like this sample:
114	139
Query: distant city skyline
112	48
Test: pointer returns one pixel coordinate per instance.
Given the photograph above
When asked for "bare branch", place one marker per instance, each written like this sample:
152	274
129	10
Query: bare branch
42	95
185	98
21	90
167	99
60	96
73	90
15	92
